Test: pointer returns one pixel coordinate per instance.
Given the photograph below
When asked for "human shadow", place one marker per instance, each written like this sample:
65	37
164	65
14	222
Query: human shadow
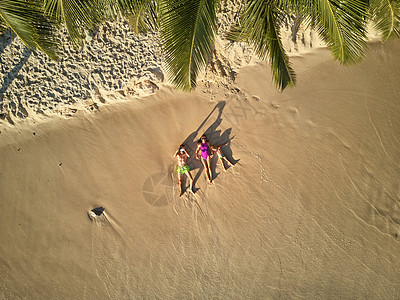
218	138
228	160
215	136
191	142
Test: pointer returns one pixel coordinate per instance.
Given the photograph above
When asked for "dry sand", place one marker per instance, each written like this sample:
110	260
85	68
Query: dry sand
311	209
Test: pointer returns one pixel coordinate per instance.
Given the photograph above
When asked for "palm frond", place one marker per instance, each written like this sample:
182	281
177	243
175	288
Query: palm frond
106	10
342	25
26	19
3	25
143	16
76	15
187	28
386	16
260	25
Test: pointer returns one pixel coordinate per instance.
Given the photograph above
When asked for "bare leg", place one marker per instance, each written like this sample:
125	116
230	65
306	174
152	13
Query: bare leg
229	163
180	184
206	168
210	176
222	164
191	181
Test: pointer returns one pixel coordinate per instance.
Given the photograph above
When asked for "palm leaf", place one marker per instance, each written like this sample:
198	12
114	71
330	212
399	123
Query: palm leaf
187	29
106	10
28	22
3	26
386	16
76	15
341	24
260	25
143	16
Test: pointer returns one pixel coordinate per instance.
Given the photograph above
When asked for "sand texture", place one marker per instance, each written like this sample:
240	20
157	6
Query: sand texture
112	58
311	209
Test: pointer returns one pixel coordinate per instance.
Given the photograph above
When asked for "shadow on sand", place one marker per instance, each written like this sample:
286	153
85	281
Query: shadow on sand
215	137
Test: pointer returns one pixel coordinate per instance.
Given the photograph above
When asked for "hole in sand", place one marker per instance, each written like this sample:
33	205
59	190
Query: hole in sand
96	213
98	210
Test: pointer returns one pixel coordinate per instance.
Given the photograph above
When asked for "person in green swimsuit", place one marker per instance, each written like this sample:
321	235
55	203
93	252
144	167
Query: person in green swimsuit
221	156
183	168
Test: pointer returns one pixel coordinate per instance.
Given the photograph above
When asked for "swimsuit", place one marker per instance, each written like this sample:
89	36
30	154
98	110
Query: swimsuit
204	150
183	170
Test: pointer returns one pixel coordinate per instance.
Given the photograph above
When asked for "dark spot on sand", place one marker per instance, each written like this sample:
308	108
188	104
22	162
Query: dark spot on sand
98	210
60	165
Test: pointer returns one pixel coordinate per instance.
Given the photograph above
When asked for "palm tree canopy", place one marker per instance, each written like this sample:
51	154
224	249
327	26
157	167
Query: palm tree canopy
187	29
142	15
386	15
28	22
259	25
76	15
341	24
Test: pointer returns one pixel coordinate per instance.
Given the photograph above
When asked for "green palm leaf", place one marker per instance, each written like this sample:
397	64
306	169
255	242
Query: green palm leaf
341	24
28	22
76	15
260	25
3	26
143	16
187	28
106	10
386	15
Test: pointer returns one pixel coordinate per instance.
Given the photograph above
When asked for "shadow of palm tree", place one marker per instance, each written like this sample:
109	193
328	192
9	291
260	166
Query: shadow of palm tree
5	39
9	78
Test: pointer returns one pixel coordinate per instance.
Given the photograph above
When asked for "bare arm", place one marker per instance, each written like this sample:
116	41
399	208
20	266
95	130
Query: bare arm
209	148
187	154
197	151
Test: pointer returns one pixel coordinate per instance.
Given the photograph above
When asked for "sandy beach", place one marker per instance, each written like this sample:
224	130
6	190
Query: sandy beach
310	210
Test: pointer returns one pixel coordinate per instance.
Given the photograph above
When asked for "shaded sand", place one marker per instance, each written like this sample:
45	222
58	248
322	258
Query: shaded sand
311	210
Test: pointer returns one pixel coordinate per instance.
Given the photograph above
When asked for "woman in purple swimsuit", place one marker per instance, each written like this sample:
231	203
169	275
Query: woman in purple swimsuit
204	148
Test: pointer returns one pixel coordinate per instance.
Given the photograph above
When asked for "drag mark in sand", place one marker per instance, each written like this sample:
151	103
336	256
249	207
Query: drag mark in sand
393	135
365	199
344	250
377	134
342	202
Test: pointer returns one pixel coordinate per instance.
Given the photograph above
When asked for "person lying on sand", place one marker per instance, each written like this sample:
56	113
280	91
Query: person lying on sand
221	155
183	168
204	147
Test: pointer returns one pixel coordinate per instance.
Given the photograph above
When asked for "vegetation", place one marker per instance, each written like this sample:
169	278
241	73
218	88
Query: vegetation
188	27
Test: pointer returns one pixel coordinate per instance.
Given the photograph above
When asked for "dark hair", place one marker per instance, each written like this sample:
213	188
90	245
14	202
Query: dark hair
203	136
181	146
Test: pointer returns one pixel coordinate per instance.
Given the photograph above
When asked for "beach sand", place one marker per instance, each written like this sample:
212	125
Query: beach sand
310	210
